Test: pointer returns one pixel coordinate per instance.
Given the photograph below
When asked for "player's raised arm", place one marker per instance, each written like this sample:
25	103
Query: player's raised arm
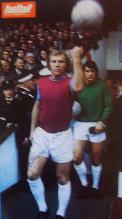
77	53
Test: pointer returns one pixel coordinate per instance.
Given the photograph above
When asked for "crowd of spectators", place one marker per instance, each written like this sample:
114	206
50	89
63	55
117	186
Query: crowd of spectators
24	47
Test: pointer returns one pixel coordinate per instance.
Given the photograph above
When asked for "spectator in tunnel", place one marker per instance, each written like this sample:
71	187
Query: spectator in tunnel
26	93
9	105
115	131
111	84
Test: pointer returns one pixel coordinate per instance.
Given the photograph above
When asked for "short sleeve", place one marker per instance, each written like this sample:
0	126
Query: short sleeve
38	94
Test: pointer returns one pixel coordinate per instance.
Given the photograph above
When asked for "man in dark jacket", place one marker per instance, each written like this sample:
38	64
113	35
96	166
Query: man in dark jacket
115	132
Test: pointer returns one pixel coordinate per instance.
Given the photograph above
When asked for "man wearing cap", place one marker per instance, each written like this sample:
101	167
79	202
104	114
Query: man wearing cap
115	145
9	105
50	129
25	91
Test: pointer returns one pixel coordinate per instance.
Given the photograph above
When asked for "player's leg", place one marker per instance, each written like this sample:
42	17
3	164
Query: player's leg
61	151
96	167
35	169
64	188
37	159
79	164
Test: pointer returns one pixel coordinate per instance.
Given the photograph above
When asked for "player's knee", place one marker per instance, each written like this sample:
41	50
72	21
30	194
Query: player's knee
32	175
63	178
77	159
96	158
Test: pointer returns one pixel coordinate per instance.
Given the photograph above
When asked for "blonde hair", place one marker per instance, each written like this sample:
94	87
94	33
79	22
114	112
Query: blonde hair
58	53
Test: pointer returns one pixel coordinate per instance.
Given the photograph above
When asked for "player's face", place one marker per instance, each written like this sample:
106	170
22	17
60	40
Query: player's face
57	65
90	75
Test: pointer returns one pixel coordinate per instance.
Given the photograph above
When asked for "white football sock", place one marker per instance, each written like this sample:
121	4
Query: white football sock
81	170
120	184
38	191
96	173
64	194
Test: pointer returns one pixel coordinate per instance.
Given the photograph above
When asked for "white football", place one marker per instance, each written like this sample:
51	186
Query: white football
87	14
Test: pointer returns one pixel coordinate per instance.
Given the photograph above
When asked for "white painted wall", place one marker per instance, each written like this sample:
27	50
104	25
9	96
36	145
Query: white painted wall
107	55
99	56
113	41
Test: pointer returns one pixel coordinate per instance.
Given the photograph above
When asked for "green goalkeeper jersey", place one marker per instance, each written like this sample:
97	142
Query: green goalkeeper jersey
96	102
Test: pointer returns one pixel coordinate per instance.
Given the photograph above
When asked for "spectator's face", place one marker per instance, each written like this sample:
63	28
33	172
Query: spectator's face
56	44
72	34
8	48
30	43
32	37
22	40
30	59
41	41
21	54
50	38
5	65
43	55
6	55
39	35
19	64
13	45
90	75
24	47
2	41
54	31
9	93
57	65
60	35
1	79
65	35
